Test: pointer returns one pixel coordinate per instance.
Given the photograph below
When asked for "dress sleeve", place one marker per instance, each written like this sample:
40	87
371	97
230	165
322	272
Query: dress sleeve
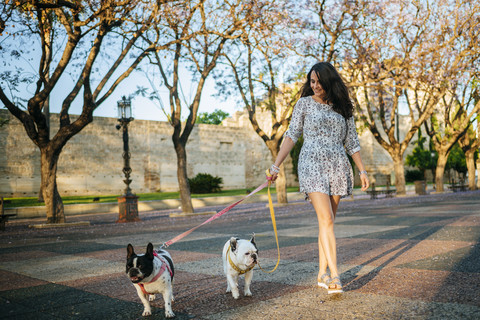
351	142
295	129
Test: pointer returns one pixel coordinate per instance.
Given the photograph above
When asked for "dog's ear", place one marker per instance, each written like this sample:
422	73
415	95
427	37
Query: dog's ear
233	243
253	240
130	252
149	253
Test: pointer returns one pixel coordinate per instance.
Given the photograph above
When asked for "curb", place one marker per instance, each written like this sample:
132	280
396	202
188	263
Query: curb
152	205
59	225
143	206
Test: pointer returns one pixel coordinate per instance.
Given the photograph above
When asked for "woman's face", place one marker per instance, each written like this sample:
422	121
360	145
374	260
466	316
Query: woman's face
316	86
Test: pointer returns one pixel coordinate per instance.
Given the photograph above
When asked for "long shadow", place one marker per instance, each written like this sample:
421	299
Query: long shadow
463	281
349	276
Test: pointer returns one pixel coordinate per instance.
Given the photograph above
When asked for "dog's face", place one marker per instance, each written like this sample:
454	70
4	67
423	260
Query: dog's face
139	266
244	252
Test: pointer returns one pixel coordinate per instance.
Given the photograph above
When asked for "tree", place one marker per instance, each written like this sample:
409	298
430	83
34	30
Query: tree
324	30
454	122
407	66
215	117
421	158
257	65
470	143
86	37
456	161
198	31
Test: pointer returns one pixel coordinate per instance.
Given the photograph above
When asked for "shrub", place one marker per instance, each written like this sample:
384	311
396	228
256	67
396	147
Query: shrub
205	183
414	175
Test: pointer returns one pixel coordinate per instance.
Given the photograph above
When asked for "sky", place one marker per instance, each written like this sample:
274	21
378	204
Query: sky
143	108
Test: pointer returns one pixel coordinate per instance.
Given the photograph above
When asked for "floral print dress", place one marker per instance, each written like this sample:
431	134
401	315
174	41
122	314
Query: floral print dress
323	164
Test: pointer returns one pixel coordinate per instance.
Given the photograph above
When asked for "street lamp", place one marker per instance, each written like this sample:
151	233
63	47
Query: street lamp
127	203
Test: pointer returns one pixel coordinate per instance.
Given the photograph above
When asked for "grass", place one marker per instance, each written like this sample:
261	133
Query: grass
33	201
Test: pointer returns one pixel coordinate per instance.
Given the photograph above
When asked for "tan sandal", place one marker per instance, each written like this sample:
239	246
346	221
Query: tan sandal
335	286
322	282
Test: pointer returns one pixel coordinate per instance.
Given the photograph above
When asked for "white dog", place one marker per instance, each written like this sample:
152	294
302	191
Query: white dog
239	257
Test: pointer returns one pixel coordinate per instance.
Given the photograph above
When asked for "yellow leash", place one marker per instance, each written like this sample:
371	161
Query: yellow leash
274	223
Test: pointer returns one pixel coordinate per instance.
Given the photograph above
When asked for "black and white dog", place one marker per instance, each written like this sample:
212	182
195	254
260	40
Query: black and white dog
151	273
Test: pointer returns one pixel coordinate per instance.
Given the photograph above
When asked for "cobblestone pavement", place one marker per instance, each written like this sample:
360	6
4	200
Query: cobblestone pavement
400	258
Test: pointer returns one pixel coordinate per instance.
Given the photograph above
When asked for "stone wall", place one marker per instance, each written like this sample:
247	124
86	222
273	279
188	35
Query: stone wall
91	162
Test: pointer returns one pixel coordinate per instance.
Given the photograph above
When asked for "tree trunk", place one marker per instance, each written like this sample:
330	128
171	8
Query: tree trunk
185	196
440	170
281	186
478	176
53	201
281	182
399	175
469	157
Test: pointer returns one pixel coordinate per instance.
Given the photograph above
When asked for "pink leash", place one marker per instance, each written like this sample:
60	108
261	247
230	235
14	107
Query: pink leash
217	215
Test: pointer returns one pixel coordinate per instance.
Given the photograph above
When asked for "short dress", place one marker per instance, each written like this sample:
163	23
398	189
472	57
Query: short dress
323	164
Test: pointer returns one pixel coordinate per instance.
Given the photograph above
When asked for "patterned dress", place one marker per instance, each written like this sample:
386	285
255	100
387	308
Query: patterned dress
323	164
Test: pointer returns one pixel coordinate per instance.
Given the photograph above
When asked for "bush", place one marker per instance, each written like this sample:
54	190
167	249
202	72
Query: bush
205	183
414	175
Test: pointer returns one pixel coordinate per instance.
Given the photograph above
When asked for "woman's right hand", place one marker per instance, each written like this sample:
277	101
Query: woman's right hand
271	176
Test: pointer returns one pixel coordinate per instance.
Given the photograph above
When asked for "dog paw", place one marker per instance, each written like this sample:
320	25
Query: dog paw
169	314
248	293
151	297
147	313
235	295
228	290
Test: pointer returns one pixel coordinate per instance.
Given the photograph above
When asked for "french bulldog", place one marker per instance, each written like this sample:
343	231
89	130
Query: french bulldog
151	273
239	257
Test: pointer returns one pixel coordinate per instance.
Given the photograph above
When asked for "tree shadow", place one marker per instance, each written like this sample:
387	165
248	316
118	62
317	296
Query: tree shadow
463	281
350	276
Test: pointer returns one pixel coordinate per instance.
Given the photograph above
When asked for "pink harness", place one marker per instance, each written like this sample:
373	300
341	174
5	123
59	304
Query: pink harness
165	265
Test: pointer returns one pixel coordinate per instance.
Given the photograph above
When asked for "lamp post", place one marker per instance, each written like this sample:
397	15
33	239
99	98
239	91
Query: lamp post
128	202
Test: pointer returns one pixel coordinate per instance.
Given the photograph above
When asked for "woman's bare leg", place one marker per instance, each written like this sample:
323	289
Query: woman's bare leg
326	208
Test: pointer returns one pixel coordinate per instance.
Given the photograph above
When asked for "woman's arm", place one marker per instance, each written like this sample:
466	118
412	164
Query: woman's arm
363	173
295	130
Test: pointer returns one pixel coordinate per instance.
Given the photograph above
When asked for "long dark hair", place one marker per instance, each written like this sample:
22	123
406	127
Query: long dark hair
335	89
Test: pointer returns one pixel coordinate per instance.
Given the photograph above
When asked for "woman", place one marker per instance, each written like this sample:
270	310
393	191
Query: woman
324	115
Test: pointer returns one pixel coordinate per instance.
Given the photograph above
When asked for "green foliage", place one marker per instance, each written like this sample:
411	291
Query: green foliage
414	175
456	160
216	117
205	183
295	153
421	158
155	196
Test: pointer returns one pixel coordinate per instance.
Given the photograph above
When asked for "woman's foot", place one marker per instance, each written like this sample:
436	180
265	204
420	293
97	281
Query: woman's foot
324	280
335	286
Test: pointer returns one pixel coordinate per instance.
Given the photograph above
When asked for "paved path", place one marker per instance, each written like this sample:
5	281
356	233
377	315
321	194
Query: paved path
400	258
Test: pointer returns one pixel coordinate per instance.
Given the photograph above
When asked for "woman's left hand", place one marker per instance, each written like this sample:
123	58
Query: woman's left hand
365	181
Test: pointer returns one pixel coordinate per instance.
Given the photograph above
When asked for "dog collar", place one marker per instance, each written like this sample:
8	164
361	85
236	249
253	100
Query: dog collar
234	266
162	269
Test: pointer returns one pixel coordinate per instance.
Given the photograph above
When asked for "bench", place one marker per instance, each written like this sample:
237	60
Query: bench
389	193
457	187
4	216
